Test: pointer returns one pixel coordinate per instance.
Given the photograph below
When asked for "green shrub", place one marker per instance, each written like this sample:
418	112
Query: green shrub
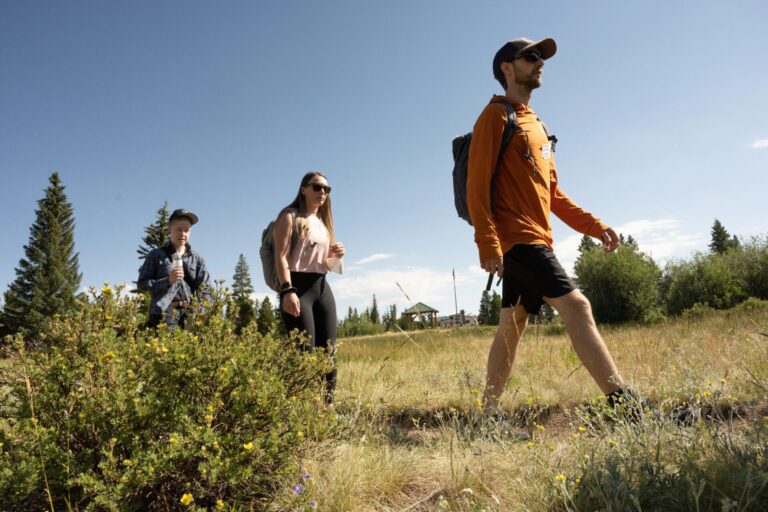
359	327
750	264
707	279
622	286
114	417
698	310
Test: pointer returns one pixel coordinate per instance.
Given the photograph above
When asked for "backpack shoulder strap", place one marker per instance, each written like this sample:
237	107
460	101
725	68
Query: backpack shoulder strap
551	137
509	129
293	212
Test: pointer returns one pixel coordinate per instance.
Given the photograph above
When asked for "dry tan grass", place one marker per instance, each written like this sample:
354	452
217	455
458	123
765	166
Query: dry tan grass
445	459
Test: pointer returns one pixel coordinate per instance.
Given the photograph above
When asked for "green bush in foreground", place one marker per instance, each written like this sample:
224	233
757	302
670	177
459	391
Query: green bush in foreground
114	417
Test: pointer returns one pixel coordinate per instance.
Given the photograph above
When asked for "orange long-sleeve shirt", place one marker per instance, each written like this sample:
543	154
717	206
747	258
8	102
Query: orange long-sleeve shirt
525	186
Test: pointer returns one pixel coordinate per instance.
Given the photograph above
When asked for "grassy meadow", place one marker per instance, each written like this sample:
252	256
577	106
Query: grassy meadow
411	436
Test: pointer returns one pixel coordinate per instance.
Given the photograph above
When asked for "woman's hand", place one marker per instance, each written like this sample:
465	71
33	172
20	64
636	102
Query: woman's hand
337	250
291	304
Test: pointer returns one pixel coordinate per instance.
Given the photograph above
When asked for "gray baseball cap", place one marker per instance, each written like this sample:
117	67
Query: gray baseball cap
510	51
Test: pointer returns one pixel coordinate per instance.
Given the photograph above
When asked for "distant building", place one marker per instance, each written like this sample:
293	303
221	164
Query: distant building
420	315
459	320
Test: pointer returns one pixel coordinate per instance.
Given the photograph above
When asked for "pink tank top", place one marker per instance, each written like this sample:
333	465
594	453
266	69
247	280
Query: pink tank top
311	251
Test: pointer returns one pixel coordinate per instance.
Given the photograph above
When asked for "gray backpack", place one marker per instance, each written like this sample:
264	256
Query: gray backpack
461	160
267	249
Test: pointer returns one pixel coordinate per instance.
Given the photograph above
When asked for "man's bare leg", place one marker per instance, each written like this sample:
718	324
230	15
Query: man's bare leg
576	312
512	322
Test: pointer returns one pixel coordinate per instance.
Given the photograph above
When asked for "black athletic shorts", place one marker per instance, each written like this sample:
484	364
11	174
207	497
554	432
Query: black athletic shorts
532	272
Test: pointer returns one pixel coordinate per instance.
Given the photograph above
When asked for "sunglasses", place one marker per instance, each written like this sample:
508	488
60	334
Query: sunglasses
530	56
317	187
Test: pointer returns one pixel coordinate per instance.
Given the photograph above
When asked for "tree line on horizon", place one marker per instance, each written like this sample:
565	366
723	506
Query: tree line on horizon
625	286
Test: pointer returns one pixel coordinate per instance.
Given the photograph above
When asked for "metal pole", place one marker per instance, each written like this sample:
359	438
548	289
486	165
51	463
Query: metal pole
455	300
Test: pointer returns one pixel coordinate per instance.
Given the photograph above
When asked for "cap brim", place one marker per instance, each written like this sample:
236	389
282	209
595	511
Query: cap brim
546	48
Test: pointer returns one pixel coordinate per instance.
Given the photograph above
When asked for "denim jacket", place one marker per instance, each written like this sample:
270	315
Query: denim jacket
153	277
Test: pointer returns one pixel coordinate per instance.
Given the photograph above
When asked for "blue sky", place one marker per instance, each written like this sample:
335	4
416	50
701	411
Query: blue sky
221	107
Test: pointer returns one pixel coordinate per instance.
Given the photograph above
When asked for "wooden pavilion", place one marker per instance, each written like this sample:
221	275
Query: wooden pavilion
421	314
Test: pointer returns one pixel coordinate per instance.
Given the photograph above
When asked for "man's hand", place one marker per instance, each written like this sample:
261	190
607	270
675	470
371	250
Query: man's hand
610	240
494	265
176	274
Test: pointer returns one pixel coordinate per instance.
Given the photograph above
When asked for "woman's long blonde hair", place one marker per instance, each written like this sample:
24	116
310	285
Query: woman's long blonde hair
325	213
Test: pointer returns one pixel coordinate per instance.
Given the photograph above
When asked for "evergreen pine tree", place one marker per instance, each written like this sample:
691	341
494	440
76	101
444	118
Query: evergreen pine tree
266	323
483	314
156	234
389	318
632	243
374	313
48	277
242	288
494	311
587	244
386	320
721	239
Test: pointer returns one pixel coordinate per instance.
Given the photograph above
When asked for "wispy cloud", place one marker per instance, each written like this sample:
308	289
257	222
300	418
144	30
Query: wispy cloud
374	257
662	239
760	144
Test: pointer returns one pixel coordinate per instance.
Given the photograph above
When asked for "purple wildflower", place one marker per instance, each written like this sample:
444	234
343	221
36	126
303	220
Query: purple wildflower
312	503
298	489
307	476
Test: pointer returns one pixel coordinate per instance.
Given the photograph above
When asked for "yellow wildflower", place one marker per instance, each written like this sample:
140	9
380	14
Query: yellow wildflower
164	349
127	463
541	427
478	403
248	446
108	356
208	418
582	429
560	477
706	392
186	499
106	290
612	442
162	325
531	444
220	505
300	434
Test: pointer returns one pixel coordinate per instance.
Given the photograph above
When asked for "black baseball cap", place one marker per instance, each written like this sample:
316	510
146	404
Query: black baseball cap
182	213
510	51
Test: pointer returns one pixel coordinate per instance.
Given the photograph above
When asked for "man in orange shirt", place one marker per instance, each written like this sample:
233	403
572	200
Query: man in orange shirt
510	207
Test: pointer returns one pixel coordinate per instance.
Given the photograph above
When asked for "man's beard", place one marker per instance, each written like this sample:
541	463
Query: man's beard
530	82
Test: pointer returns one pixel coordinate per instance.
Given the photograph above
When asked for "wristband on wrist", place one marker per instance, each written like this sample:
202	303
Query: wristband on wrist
286	291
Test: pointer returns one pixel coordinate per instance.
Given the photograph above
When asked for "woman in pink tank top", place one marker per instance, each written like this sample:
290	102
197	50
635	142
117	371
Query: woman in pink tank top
304	244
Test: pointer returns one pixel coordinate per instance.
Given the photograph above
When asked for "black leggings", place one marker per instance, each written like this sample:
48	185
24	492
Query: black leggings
317	319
